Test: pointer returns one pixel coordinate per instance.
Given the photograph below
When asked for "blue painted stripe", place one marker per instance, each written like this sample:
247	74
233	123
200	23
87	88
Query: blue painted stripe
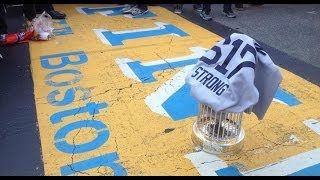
145	73
66	147
309	171
116	11
77	77
116	39
63	131
286	97
181	104
62	31
92	11
229	171
61	21
66	30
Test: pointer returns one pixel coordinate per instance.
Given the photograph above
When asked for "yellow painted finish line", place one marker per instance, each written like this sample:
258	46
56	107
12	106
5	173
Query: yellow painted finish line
98	116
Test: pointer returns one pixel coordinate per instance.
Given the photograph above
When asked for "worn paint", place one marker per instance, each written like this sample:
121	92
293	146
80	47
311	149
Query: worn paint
78	78
313	124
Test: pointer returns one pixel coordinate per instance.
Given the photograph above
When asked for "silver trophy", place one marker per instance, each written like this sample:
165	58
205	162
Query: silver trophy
218	133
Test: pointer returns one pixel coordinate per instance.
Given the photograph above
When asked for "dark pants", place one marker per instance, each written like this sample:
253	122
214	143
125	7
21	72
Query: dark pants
179	6
3	23
206	8
227	7
30	10
43	7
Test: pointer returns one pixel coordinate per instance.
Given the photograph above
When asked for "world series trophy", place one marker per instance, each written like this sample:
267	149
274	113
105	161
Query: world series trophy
218	133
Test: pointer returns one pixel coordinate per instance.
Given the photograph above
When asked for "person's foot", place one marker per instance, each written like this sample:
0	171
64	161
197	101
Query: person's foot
178	9
137	12
127	8
197	7
205	16
3	37
56	14
229	14
239	7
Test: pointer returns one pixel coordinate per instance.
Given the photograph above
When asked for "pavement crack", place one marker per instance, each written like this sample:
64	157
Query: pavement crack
120	89
103	92
210	162
276	143
73	153
235	159
171	39
115	140
81	107
165	61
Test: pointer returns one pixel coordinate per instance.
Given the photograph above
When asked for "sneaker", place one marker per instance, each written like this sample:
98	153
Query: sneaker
137	12
2	38
239	7
178	9
205	16
127	8
229	14
57	15
197	7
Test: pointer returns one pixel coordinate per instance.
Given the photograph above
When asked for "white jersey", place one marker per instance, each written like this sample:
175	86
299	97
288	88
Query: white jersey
236	75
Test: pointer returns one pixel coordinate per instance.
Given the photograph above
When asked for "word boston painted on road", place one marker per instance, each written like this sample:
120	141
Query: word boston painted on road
92	108
111	98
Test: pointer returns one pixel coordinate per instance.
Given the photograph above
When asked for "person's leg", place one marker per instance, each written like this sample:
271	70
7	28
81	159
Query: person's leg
197	7
139	10
3	27
50	10
29	11
206	8
205	13
227	11
43	7
3	23
227	7
143	7
178	8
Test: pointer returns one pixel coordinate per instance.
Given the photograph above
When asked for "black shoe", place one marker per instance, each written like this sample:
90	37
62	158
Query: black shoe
205	16
2	38
178	9
229	14
137	11
56	15
197	7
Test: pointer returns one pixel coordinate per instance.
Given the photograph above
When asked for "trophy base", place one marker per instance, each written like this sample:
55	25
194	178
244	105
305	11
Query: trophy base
216	147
